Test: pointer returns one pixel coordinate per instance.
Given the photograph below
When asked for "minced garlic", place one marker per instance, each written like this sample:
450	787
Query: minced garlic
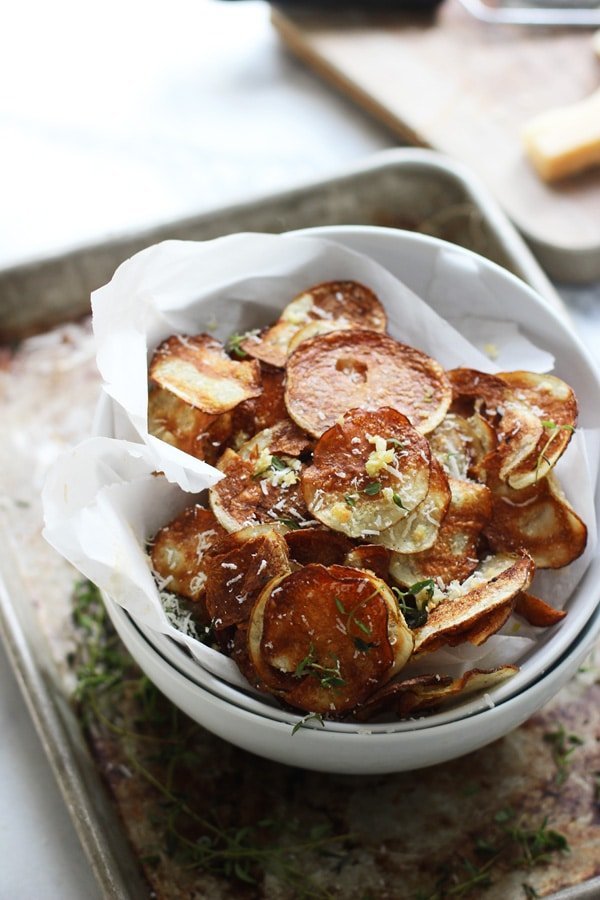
381	456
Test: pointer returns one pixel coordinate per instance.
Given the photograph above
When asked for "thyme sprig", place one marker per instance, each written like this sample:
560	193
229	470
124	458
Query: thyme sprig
509	843
563	745
413	601
328	676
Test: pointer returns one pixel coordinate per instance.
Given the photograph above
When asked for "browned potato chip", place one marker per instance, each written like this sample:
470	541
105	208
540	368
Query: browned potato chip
425	692
333	373
264	411
318	545
178	551
460	443
469	608
325	638
266	490
282	439
198	370
536	611
330	306
420	529
538	518
187	428
453	557
369	471
372	557
534	417
237	569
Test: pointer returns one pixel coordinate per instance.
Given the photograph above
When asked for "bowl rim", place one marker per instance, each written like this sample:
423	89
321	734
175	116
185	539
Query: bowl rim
563	634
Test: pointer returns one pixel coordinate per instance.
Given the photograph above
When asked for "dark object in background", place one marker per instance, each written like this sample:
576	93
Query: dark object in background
366	5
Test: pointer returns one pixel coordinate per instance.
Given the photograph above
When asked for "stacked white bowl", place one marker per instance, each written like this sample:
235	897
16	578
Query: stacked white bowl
258	723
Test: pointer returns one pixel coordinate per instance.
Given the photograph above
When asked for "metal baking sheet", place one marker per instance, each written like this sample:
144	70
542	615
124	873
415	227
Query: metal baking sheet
403	188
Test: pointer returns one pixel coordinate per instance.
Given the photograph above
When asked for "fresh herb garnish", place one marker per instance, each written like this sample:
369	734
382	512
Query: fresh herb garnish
412	604
234	345
372	488
277	464
351	499
563	746
352	620
398	501
328	676
311	717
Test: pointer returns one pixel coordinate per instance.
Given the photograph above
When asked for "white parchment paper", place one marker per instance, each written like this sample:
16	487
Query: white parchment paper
102	501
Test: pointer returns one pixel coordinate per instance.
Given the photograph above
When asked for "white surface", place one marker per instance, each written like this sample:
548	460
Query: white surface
126	114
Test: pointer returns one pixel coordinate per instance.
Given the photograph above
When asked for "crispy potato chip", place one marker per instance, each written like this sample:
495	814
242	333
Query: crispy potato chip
331	300
372	557
320	326
198	370
325	638
538	518
425	692
271	344
178	551
284	438
191	430
369	471
237	569
536	611
266	490
420	529
333	373
534	417
453	556
331	306
264	411
466	607
318	545
460	443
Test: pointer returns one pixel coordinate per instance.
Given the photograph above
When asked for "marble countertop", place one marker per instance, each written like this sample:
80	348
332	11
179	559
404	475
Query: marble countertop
121	116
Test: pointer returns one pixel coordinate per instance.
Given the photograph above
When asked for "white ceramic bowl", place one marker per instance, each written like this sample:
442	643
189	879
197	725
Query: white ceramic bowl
360	753
414	259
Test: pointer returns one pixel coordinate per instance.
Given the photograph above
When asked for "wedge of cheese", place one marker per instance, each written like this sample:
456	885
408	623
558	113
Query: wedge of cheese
564	141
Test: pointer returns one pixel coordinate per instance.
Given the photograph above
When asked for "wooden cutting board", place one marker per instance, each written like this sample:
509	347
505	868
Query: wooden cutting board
466	88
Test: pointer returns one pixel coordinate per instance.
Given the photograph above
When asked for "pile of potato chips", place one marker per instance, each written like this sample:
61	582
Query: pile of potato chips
374	507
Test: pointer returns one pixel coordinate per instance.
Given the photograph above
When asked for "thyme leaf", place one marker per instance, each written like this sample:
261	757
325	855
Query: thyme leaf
372	488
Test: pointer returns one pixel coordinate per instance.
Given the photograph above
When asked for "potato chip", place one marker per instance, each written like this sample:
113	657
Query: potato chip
453	556
534	417
325	638
264	411
326	307
369	471
178	551
536	611
237	569
198	371
266	490
373	557
425	692
333	373
318	545
460	443
485	597
189	429
284	438
538	518
420	529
